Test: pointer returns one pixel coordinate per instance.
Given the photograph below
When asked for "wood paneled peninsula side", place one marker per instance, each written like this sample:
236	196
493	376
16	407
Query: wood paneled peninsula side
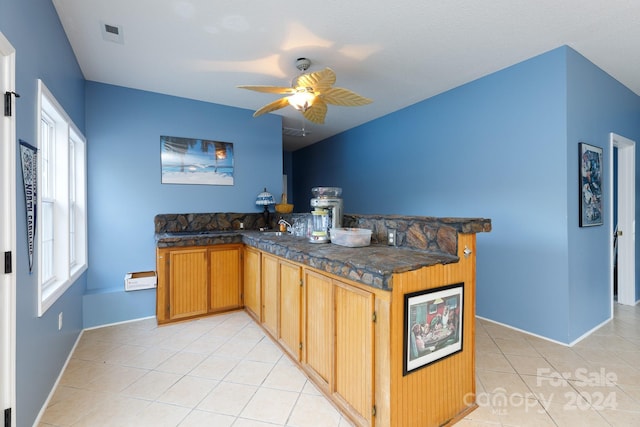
338	312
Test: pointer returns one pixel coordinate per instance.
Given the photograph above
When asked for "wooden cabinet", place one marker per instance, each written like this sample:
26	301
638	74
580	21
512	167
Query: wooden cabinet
196	281
290	304
281	295
352	335
338	342
325	324
270	294
353	350
225	272
251	281
188	283
317	353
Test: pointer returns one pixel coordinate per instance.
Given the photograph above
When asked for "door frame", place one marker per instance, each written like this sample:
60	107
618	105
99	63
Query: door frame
626	206
8	234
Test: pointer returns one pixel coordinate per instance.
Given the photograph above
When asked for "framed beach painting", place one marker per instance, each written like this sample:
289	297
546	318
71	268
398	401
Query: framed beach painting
590	185
196	161
432	325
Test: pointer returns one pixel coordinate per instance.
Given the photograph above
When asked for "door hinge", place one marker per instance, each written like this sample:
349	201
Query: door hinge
373	411
8	101
374	318
300	346
7	417
7	262
301	282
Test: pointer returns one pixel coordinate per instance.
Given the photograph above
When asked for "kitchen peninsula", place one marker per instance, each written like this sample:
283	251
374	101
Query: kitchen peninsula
340	313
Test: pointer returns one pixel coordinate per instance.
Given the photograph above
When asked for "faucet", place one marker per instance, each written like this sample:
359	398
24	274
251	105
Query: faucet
283	222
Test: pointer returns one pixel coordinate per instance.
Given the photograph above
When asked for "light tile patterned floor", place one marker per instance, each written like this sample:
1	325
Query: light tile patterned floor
223	371
527	381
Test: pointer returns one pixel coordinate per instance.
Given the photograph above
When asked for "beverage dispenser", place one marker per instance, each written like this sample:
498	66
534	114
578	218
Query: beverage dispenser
326	213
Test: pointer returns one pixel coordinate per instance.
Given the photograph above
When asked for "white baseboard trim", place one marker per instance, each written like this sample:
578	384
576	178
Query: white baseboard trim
66	363
119	323
586	334
571	344
55	385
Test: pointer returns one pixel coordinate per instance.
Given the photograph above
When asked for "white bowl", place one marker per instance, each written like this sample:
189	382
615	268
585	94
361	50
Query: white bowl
351	237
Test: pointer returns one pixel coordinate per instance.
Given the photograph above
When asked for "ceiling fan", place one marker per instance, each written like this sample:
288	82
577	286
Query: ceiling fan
310	93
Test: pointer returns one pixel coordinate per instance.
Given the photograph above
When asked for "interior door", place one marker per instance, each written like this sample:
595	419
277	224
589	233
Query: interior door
624	262
7	233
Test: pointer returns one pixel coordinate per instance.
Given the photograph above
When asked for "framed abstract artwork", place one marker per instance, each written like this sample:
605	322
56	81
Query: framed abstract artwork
590	185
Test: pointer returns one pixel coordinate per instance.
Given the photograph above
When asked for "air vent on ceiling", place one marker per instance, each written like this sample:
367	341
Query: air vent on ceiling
112	33
294	132
111	29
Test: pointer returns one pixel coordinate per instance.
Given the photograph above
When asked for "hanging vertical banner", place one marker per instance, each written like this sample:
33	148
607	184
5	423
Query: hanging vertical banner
28	155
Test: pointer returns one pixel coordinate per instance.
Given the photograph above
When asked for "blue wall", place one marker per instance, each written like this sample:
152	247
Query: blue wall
597	105
42	52
502	147
125	193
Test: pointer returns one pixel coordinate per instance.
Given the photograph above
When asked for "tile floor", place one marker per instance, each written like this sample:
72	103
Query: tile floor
223	371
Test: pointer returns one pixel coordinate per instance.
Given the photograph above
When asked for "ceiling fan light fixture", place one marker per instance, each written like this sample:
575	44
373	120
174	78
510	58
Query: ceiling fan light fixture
302	100
310	90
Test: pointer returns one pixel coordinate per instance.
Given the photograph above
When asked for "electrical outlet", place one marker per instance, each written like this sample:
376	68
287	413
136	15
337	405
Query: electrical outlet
391	237
242	226
60	321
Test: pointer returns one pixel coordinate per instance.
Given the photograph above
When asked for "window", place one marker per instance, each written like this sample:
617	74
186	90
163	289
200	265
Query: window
62	228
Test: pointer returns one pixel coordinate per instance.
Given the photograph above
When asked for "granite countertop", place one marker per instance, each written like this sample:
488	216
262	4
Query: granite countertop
372	265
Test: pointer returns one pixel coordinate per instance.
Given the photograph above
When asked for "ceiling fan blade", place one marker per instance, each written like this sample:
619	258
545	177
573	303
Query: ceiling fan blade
275	105
344	97
318	80
316	112
269	89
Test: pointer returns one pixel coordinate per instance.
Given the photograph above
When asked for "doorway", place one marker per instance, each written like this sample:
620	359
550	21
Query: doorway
623	237
7	236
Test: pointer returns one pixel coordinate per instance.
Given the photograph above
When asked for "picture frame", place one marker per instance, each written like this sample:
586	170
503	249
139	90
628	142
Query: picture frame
432	335
590	179
196	161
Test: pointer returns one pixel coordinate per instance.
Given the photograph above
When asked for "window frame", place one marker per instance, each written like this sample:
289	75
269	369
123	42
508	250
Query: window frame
67	172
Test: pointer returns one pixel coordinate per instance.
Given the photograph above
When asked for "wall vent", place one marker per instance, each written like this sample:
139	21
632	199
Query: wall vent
112	33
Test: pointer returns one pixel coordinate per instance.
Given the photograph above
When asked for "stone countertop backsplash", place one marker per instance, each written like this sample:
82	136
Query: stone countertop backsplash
421	241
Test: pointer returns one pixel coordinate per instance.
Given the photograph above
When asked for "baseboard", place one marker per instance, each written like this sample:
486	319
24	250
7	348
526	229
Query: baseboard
119	323
55	385
571	344
66	363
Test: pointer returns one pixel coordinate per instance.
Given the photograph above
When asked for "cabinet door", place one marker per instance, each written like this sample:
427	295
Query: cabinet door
252	297
354	332
270	296
162	289
188	283
224	278
317	353
290	293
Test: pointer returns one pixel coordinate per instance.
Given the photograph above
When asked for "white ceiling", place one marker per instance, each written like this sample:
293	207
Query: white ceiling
395	52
